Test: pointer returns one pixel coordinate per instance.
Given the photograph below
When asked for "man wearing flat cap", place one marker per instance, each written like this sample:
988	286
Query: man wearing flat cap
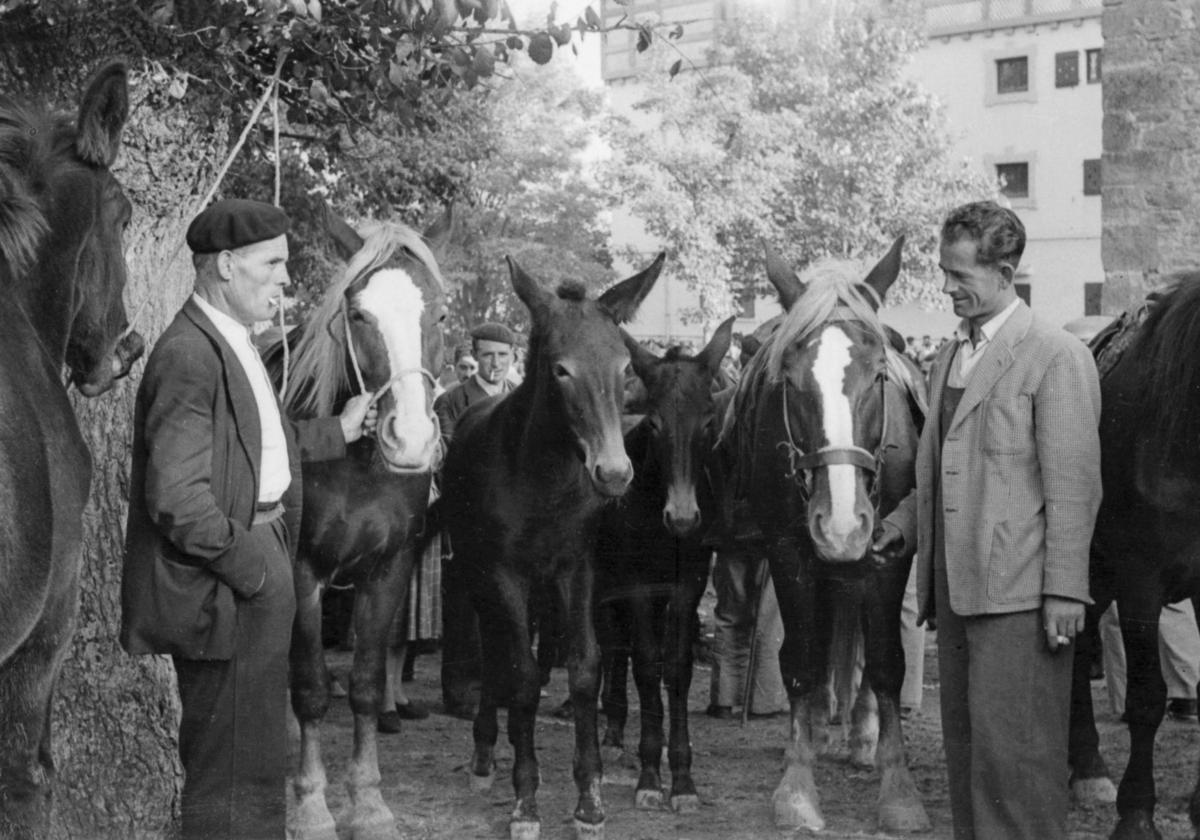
214	510
492	346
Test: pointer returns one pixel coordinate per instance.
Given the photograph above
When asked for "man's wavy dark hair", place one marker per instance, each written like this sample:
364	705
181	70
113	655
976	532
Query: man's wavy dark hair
997	230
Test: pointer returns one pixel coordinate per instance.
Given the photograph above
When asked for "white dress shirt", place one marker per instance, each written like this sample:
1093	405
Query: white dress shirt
969	354
274	474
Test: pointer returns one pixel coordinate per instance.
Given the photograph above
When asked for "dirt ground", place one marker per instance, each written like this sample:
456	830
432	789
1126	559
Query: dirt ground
425	779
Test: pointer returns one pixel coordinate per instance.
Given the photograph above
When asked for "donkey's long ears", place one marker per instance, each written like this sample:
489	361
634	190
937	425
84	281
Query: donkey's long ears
345	238
622	300
717	346
528	290
885	272
643	360
102	115
783	278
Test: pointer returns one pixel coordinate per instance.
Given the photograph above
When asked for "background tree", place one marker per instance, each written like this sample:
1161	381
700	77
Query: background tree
805	134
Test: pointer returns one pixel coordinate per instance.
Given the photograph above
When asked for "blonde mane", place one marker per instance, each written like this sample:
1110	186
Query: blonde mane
831	285
318	364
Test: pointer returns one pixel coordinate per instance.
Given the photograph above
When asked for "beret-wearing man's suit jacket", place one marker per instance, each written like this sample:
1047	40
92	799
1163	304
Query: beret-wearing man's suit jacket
1019	471
190	551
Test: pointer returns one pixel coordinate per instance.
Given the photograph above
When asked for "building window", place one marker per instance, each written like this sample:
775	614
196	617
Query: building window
1093	293
1014	179
1091	177
1092	57
1023	292
1066	69
1012	74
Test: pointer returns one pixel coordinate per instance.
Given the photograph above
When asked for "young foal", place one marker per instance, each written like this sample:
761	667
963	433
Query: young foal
377	330
62	271
651	565
523	485
824	444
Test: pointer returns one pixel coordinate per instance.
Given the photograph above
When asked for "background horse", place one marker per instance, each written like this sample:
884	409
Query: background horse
1146	546
378	329
651	564
62	272
524	482
822	444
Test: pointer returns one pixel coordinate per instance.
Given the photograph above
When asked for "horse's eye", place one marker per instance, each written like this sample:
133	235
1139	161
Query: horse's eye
560	370
357	315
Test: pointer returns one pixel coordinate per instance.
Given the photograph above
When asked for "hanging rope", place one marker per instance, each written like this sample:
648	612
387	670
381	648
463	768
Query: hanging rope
287	352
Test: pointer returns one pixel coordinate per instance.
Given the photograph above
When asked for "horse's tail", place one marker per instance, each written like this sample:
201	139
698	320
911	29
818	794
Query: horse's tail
846	646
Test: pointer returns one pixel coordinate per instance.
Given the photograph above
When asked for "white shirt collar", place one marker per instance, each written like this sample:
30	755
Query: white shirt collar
227	324
488	388
992	326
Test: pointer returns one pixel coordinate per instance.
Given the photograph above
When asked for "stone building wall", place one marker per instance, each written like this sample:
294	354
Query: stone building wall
1151	169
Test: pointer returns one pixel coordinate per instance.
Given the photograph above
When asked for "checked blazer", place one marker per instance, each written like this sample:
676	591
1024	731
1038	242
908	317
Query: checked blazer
1018	473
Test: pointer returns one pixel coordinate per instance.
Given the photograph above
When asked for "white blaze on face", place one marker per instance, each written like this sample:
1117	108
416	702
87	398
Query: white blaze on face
394	300
829	371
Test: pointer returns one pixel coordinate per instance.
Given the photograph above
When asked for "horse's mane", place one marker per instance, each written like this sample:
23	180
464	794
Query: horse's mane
1169	371
318	365
830	284
30	143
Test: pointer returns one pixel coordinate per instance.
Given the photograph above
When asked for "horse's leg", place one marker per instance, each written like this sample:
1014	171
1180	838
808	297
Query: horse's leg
646	629
900	807
510	677
1194	802
376	599
864	724
583	667
1139	606
612	633
310	701
27	682
802	660
1090	780
681	628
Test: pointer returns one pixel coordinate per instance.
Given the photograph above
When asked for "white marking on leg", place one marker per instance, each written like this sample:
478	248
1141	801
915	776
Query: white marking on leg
829	371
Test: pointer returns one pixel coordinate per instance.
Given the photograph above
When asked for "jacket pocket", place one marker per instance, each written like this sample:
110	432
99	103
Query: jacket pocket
1008	425
1015	562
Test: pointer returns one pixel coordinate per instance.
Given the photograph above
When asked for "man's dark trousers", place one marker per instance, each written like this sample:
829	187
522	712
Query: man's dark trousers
233	735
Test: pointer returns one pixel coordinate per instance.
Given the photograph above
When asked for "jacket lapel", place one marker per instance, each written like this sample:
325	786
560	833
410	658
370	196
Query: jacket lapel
241	395
997	359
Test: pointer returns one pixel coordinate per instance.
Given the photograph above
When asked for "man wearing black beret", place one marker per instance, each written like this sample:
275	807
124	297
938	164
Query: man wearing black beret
492	344
214	510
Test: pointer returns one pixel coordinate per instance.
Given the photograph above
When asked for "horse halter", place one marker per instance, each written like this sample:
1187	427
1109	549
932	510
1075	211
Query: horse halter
802	463
396	377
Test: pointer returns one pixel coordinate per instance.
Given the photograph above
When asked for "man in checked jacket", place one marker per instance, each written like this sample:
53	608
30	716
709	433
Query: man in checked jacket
1008	485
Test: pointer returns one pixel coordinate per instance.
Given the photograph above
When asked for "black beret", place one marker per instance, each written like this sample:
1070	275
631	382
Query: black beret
235	222
491	331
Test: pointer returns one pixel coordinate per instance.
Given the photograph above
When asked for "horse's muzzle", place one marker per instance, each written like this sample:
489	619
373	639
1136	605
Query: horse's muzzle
128	350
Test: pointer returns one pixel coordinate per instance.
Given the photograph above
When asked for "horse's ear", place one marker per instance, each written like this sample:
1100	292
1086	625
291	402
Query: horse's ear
622	300
717	346
437	235
528	290
885	272
783	278
102	115
345	238
643	360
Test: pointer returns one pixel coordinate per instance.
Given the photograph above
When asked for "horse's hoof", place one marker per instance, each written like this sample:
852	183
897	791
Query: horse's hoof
589	831
903	818
798	815
1136	825
312	820
863	755
796	802
648	799
1100	790
524	830
482	784
687	803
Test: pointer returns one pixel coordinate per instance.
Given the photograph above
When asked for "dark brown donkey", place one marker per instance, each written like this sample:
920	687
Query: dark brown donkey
524	482
62	271
651	564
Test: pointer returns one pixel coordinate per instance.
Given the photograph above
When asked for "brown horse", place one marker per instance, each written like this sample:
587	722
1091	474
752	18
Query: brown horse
62	271
378	329
652	564
823	444
525	479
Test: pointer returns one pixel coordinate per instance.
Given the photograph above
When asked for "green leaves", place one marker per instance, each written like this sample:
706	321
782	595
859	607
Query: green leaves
541	48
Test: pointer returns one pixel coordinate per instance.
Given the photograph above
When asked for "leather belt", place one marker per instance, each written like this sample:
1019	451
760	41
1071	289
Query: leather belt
265	512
